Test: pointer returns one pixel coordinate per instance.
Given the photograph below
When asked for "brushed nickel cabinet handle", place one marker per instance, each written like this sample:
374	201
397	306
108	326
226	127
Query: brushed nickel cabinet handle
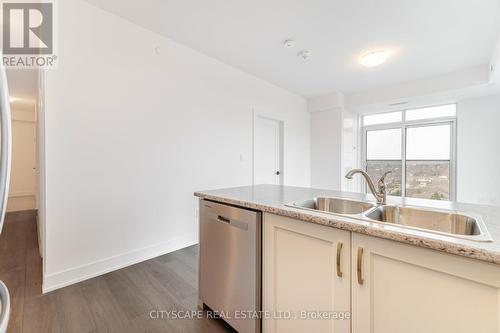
339	255
359	266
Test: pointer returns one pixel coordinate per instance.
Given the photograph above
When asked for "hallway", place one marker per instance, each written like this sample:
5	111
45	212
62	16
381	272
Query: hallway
120	301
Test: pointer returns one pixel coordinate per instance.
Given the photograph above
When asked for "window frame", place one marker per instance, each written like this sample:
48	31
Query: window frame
404	125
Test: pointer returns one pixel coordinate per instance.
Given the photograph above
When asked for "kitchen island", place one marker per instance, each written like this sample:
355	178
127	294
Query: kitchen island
386	277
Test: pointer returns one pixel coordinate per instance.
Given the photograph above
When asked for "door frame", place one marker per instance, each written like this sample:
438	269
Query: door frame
281	126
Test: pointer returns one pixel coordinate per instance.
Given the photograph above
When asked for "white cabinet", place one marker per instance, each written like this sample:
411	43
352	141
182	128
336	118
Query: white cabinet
414	290
389	287
300	273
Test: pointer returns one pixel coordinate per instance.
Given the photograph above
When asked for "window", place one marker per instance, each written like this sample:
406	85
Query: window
428	159
432	112
383	153
418	149
383	118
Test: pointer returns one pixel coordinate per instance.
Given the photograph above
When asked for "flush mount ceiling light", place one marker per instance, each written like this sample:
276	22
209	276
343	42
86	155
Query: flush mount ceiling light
374	58
304	54
289	43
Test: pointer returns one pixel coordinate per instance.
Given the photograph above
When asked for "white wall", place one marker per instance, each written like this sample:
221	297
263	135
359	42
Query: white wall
334	141
478	143
326	149
441	89
351	154
130	134
334	149
494	67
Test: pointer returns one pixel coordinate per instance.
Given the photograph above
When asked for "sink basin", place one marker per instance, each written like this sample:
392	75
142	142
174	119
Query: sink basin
335	205
450	223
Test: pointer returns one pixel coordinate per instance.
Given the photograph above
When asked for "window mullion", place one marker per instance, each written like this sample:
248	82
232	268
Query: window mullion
403	160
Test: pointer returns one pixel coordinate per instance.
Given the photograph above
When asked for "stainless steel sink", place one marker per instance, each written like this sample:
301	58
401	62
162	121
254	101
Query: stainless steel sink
450	223
444	222
335	205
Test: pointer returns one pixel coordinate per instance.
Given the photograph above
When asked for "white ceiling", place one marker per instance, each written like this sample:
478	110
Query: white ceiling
23	84
430	37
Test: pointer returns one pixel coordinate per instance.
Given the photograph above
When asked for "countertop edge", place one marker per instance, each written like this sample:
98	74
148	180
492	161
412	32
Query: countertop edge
347	223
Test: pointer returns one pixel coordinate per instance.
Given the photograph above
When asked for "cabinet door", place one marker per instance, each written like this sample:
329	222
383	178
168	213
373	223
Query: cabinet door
403	288
301	276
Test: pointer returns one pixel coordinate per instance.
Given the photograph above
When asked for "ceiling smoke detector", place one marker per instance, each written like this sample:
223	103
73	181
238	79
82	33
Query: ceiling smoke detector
289	43
305	54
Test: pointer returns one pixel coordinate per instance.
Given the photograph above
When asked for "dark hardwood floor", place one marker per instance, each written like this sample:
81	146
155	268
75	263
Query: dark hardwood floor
120	301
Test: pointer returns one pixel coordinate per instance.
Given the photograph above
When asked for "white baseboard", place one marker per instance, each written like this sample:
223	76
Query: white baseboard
80	273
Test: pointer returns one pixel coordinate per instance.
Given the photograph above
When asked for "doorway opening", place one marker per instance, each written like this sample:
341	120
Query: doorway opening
25	199
23	92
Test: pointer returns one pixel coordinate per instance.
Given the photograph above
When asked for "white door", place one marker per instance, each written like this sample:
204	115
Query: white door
267	151
305	277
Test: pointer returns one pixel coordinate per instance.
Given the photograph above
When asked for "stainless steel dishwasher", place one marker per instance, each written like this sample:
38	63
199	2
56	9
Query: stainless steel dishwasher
230	263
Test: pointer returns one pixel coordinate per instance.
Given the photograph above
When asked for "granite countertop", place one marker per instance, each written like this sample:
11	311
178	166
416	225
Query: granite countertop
273	199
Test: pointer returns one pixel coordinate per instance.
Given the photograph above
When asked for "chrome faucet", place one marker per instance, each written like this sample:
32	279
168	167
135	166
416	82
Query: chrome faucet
380	194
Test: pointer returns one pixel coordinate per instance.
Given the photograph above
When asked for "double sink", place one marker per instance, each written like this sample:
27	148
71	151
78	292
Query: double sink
449	223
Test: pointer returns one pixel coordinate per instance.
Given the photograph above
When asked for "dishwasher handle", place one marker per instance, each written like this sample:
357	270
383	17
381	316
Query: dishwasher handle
228	215
223	219
230	222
